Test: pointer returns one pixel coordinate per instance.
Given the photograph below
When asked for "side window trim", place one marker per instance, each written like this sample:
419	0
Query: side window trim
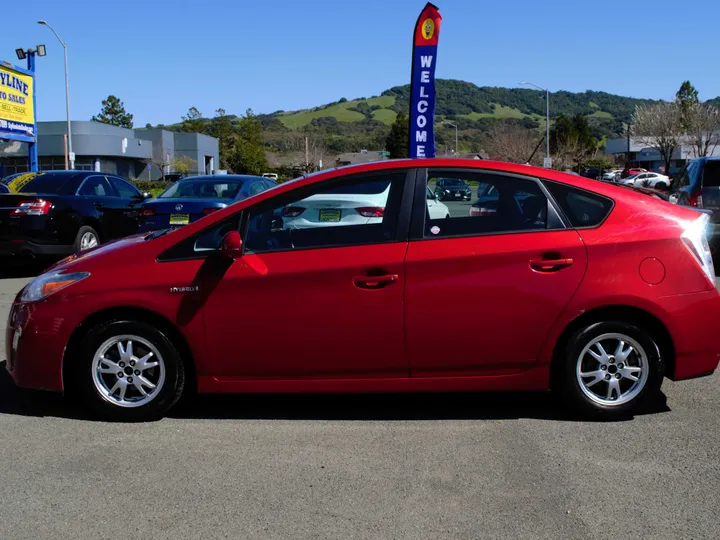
122	180
417	225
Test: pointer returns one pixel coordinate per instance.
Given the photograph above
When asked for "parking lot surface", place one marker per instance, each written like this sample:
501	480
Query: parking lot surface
391	466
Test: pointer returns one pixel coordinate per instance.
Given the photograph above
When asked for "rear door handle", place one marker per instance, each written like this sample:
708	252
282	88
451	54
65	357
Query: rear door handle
549	265
375	282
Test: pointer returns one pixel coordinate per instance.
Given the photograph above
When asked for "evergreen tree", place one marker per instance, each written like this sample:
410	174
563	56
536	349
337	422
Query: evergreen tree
222	129
398	141
193	122
113	113
248	156
687	98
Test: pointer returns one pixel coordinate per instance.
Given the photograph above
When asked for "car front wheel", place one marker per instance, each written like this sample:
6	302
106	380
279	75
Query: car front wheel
610	368
128	371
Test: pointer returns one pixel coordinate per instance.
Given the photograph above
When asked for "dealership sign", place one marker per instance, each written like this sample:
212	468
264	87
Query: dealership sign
17	113
422	87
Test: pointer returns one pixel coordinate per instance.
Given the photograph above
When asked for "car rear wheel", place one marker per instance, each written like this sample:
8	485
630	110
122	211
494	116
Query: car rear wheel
610	368
86	238
661	185
128	371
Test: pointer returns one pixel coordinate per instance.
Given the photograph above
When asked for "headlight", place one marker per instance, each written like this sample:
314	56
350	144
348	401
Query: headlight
695	239
47	284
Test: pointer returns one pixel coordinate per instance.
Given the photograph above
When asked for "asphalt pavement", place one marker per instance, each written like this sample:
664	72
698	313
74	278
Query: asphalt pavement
390	466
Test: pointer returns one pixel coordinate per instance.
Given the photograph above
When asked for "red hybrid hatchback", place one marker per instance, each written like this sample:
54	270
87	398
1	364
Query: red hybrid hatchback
360	280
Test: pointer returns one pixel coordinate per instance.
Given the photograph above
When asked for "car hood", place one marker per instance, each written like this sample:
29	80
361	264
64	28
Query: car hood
112	252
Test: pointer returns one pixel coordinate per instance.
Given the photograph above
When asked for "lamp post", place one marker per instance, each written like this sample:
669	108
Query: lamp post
71	155
547	115
456	134
29	54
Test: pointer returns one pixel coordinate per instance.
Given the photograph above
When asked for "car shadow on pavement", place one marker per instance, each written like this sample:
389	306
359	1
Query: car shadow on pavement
387	407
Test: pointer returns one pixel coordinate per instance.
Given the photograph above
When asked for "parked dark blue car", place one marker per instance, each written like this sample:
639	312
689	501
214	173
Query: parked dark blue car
697	185
192	198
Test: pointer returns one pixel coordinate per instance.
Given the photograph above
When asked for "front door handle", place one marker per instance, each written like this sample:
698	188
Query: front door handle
549	265
375	282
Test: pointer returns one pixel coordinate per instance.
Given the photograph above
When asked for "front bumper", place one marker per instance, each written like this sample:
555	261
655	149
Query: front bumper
35	346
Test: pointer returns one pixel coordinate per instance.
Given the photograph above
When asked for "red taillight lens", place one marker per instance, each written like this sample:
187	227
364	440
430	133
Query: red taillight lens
208	211
292	211
371	211
147	212
696	200
32	208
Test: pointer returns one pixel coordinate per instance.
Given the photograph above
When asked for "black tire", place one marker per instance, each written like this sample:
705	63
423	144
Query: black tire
661	186
83	381
574	396
85	229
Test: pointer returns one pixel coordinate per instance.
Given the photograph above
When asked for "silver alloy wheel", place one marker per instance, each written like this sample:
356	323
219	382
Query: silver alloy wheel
87	241
615	377
128	371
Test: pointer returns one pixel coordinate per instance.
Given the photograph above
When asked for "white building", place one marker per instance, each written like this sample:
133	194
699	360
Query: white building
641	155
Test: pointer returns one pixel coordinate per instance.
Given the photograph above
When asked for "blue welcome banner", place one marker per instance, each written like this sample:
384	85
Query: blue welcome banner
422	84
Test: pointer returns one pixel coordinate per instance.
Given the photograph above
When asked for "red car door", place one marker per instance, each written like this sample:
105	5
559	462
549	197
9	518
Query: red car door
318	298
484	287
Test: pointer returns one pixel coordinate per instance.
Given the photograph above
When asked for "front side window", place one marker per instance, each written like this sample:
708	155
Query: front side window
96	186
125	190
498	204
356	211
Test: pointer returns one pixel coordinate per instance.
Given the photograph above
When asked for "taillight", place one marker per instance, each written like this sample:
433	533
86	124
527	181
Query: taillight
32	208
371	211
695	239
696	200
147	212
292	211
208	211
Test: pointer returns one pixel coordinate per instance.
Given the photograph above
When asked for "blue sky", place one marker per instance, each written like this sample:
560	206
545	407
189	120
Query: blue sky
163	56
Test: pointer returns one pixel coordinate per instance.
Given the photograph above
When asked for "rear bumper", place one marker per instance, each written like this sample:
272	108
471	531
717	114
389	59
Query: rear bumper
695	330
20	247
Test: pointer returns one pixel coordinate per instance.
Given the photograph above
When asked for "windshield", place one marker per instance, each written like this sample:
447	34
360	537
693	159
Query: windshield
202	189
452	182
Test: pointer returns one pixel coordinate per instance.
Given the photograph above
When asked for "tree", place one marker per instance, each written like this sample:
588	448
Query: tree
571	141
248	156
687	98
193	122
510	142
659	126
161	163
702	123
398	141
113	113
221	128
184	165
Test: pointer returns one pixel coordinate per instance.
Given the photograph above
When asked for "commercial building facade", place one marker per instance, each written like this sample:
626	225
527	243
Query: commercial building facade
131	153
639	154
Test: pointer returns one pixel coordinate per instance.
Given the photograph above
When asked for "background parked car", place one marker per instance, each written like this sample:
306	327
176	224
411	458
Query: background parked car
192	198
698	185
4	188
612	175
436	209
452	189
58	213
648	180
630	171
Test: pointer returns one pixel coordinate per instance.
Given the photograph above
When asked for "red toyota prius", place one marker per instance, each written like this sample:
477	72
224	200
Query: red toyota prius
359	280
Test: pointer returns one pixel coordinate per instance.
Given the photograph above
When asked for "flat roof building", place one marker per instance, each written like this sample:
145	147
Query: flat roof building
639	154
131	153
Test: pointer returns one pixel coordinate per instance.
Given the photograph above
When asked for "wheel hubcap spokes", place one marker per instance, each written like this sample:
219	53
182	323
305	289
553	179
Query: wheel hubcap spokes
88	240
612	369
128	371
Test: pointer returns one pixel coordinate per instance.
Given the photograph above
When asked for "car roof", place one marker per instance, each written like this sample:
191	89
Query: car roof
216	177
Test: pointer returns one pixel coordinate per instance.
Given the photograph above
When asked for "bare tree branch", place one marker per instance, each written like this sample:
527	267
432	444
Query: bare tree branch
703	125
659	126
506	142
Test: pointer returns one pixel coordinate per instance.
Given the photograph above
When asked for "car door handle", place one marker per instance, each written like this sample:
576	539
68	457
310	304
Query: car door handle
375	282
549	265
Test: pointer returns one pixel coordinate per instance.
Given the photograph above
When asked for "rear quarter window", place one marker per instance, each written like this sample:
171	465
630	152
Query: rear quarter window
48	183
582	208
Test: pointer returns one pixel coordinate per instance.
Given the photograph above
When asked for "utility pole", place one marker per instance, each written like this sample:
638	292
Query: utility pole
307	155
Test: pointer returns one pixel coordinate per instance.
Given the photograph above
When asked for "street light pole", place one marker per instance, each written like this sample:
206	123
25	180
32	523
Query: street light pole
547	115
456	135
71	156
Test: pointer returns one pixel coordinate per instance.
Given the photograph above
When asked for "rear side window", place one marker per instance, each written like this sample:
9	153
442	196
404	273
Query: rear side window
45	183
711	174
123	188
582	208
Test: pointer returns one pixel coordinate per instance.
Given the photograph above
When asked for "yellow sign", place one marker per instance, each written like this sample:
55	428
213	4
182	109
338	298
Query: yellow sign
17	183
428	28
17	114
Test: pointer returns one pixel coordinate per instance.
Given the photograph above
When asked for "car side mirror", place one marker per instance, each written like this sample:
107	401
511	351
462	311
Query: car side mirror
231	246
147	195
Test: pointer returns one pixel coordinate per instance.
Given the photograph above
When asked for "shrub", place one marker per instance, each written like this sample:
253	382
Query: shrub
151	186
